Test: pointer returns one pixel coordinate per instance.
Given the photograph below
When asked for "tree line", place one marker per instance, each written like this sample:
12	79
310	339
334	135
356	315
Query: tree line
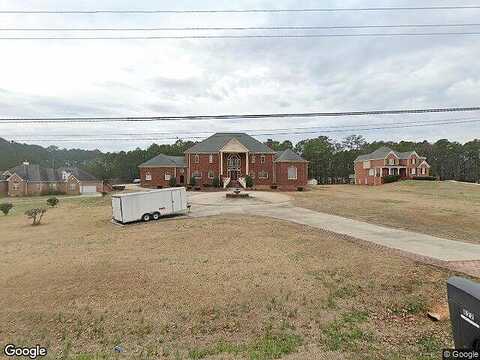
330	160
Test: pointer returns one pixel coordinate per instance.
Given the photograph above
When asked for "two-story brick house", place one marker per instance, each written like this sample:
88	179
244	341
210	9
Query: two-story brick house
230	157
370	169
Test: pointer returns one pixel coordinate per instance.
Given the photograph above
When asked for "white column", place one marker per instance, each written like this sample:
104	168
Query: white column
246	167
221	163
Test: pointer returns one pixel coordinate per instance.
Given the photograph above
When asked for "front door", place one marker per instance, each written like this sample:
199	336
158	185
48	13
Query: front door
233	175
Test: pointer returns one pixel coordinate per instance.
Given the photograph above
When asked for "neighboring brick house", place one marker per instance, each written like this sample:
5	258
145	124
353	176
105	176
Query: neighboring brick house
230	157
30	179
370	169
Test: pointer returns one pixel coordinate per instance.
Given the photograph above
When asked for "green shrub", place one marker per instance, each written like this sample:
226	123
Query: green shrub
36	215
249	181
172	182
5	208
52	202
193	181
390	179
427	178
216	182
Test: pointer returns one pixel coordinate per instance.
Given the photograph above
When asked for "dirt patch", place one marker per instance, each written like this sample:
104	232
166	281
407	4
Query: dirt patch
444	209
220	287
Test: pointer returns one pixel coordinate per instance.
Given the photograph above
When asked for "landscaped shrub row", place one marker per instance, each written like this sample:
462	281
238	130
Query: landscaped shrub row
428	178
391	178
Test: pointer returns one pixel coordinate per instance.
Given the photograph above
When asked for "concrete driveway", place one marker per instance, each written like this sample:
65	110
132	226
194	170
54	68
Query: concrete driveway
279	206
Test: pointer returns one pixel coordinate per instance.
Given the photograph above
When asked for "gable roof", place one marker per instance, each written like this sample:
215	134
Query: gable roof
165	160
34	172
288	155
217	141
382	152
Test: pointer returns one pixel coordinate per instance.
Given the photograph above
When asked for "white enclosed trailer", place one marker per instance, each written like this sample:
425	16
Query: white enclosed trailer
148	205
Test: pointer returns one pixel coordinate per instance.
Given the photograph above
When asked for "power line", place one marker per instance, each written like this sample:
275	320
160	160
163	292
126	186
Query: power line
320	128
246	28
261	134
231	116
229	11
283	36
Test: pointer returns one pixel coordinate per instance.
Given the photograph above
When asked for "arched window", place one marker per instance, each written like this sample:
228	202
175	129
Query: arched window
196	159
233	162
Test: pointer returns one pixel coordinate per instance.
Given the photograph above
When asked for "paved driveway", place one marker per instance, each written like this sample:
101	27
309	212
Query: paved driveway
278	205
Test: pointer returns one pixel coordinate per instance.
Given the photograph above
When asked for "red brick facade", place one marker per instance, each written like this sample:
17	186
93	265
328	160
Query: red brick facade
373	171
263	169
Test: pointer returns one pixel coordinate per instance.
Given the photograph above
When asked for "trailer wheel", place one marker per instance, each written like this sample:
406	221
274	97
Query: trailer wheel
146	217
156	216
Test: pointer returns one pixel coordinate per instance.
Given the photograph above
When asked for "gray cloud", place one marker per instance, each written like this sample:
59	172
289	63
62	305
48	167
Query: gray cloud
240	76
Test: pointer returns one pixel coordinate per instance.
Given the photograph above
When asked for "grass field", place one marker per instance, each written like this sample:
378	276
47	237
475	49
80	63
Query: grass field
219	287
444	209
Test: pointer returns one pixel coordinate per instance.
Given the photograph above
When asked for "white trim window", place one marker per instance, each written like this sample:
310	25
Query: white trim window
371	172
414	171
263	174
253	159
16	186
210	158
262	159
252	175
196	158
167	177
292	173
197	174
211	174
148	176
414	161
391	161
366	164
72	186
423	171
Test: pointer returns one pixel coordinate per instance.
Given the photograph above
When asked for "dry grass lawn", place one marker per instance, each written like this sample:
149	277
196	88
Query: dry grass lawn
220	287
444	209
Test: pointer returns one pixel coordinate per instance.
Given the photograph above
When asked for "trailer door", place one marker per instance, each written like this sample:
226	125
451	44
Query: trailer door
176	201
117	209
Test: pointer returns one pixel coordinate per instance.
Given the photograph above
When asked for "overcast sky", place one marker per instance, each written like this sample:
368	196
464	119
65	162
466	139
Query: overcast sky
225	76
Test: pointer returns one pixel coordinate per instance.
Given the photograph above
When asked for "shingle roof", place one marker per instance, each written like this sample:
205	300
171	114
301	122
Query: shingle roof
217	141
288	155
34	172
165	160
382	152
80	175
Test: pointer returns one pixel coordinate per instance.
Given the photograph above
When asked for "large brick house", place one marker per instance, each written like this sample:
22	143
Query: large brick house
370	169
230	157
31	179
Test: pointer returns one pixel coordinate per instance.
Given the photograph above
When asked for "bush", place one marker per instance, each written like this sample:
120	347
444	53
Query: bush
248	181
216	182
5	208
390	179
428	178
273	187
172	182
193	181
53	201
104	193
36	215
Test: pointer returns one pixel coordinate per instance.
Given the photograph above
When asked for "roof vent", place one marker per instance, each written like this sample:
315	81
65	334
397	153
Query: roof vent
26	163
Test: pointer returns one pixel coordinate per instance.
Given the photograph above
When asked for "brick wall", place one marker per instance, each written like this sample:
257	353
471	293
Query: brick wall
255	168
3	188
204	166
281	170
158	176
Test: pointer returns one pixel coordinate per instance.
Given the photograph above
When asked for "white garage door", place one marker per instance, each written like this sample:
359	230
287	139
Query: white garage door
88	189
